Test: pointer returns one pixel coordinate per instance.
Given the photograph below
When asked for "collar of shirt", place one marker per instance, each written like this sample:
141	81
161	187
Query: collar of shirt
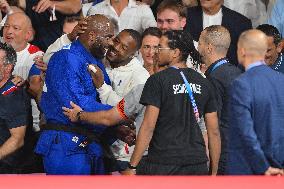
80	49
278	62
257	63
131	3
209	69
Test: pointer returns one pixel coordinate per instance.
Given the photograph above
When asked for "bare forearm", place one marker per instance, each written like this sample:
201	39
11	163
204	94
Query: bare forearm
107	118
10	146
143	140
68	6
214	150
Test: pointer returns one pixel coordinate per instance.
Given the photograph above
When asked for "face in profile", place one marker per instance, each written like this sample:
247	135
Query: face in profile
202	48
271	53
122	48
162	55
148	48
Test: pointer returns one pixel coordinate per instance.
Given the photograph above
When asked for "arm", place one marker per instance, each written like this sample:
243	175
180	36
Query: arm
15	141
214	141
56	46
65	40
108	95
145	134
67	7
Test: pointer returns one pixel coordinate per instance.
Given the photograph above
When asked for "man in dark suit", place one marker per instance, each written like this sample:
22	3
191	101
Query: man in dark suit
256	133
212	12
213	46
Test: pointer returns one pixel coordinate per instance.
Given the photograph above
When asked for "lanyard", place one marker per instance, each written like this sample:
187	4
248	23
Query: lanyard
190	94
224	61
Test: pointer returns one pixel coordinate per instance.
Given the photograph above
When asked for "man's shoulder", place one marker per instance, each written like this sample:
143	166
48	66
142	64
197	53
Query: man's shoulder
194	10
234	15
32	49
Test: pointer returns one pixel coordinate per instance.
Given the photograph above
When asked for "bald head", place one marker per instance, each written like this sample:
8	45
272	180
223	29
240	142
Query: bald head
218	37
254	42
99	24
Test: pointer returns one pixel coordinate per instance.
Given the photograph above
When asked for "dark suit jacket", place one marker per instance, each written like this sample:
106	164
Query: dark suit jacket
233	21
256	133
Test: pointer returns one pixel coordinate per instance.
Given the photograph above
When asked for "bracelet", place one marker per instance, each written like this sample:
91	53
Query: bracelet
79	114
131	166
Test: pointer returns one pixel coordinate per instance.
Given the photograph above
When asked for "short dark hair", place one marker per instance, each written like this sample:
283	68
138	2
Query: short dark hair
154	31
11	55
183	41
135	35
270	31
173	5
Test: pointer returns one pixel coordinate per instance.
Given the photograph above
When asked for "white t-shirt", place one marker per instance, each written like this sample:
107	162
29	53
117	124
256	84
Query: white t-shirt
209	20
134	16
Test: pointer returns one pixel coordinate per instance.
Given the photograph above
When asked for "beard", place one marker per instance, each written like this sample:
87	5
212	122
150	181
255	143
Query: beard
98	51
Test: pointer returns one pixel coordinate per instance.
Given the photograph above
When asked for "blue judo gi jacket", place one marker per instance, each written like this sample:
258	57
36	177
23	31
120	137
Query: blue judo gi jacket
67	79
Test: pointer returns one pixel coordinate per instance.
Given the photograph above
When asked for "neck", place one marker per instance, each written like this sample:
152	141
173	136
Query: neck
84	43
149	67
179	64
250	60
119	5
119	64
21	47
3	81
212	11
214	58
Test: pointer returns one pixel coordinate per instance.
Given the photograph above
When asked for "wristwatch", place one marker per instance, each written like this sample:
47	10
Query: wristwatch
131	166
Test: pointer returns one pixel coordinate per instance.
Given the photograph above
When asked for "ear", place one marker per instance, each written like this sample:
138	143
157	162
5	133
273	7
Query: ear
30	35
280	46
210	48
176	53
183	21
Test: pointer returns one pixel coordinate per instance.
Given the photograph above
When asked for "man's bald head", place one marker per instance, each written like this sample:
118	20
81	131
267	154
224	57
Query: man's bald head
99	24
252	47
254	42
95	38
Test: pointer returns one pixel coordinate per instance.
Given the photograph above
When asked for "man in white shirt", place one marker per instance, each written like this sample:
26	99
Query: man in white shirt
18	32
126	14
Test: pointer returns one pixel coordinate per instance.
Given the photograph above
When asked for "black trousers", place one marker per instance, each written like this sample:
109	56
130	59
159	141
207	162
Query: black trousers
146	167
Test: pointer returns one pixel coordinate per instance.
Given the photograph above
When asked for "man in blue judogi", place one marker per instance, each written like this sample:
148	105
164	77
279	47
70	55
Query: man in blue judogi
68	148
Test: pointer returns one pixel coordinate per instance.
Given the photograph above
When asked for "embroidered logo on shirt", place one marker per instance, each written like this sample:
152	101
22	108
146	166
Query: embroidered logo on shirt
75	139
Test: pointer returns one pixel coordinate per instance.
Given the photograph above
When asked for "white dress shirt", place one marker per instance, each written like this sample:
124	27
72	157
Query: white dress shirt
209	20
134	16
